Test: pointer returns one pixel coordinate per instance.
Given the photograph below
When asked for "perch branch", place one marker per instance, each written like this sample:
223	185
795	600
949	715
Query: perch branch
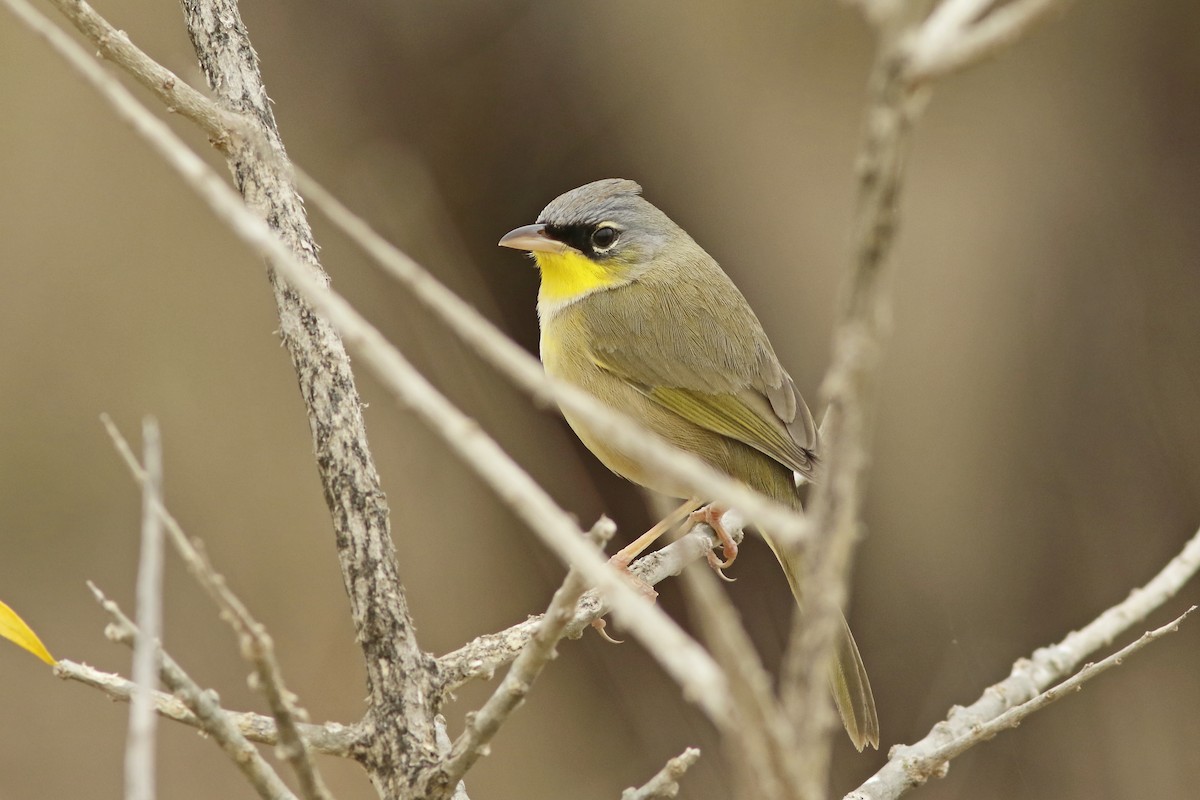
480	658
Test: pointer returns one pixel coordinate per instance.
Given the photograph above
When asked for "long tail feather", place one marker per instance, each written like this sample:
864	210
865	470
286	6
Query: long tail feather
847	675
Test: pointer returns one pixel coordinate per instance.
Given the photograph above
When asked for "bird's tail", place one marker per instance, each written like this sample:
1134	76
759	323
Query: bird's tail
847	675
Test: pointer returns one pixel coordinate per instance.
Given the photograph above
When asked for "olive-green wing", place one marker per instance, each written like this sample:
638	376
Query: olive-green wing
687	338
746	416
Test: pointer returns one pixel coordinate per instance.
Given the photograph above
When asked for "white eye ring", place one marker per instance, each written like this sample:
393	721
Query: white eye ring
604	237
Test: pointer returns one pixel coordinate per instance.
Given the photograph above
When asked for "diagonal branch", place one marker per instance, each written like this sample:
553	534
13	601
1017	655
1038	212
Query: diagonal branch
1029	678
332	738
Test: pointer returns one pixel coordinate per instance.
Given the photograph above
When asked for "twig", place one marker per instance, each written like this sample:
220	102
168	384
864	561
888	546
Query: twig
204	704
895	102
481	657
175	93
256	643
332	738
1031	677
850	388
665	783
139	748
483	724
963	38
936	761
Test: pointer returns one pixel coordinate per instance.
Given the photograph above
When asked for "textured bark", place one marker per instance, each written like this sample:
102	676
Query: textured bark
399	674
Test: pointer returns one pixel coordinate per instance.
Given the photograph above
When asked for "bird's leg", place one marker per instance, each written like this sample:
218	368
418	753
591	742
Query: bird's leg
629	552
625	556
711	515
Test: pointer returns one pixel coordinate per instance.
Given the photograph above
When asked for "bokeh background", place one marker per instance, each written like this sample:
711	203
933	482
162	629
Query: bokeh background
1038	452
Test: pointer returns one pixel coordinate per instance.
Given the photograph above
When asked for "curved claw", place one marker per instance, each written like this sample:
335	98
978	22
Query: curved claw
599	625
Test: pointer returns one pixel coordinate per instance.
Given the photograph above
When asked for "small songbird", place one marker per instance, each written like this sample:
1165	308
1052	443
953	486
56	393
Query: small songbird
638	315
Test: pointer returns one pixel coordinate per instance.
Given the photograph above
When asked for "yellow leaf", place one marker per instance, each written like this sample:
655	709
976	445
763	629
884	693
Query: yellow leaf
16	631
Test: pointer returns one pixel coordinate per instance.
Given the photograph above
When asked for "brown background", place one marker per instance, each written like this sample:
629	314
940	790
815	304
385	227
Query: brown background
1038	450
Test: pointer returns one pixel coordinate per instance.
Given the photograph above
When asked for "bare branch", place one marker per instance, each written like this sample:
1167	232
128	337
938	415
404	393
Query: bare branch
176	94
483	725
139	748
1031	677
961	40
256	643
332	738
665	783
936	762
481	657
204	704
896	100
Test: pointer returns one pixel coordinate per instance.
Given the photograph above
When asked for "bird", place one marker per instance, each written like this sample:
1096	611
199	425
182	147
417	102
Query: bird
635	313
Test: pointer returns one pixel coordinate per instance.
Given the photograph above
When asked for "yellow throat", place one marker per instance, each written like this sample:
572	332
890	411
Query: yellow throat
569	276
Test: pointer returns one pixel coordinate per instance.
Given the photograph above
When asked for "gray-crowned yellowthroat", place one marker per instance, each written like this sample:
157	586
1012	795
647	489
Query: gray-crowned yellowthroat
635	313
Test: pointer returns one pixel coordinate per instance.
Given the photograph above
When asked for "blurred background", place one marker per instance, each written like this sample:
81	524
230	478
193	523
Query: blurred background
1038	452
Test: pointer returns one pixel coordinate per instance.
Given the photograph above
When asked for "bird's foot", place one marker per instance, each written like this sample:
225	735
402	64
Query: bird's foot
711	516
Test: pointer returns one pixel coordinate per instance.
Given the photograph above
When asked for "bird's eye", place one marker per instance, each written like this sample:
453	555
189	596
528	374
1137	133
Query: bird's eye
604	237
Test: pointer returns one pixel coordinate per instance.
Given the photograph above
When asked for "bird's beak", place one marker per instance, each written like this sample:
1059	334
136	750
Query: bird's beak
532	238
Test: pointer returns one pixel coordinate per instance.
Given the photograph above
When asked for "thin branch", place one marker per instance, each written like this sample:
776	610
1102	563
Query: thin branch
968	39
850	387
139	748
214	720
1030	677
937	761
480	658
256	643
176	94
895	102
687	662
483	724
332	738
665	783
